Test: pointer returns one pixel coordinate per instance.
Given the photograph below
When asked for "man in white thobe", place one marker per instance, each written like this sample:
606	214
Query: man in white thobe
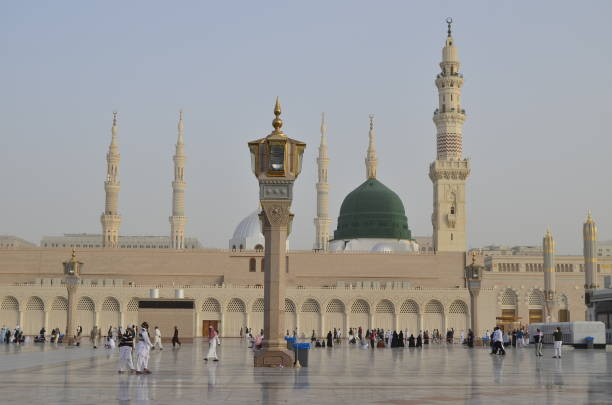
158	340
213	338
143	349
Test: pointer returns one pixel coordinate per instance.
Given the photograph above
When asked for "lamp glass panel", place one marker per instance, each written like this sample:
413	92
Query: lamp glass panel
277	157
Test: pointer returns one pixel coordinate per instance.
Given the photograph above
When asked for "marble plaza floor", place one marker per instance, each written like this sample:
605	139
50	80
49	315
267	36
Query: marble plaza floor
48	374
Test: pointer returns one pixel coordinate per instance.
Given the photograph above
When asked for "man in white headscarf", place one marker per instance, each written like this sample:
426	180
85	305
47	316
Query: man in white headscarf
143	349
213	338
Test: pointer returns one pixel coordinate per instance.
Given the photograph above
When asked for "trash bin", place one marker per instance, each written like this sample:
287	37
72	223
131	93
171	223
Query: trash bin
301	353
589	341
290	342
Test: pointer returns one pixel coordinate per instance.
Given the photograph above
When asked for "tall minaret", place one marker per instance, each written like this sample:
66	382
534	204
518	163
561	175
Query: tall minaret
589	233
449	171
110	217
371	162
322	221
550	298
178	219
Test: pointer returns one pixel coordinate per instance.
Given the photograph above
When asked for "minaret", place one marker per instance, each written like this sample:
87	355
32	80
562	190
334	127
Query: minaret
110	217
450	170
178	219
550	298
371	162
589	233
322	221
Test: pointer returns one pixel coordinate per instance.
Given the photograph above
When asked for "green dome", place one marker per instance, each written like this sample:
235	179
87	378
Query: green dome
372	210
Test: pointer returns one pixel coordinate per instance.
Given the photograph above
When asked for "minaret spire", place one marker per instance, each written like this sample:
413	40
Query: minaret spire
178	219
550	296
371	161
589	234
110	219
450	170
322	221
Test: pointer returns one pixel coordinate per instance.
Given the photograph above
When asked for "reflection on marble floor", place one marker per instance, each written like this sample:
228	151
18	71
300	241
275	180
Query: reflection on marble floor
46	374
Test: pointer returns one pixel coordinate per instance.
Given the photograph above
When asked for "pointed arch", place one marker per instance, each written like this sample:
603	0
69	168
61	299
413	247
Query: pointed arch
408	318
235	318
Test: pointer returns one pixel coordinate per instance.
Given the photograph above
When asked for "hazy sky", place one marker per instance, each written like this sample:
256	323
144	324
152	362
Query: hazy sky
537	93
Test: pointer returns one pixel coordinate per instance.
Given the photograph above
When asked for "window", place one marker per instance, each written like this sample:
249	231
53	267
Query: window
451	236
262	264
252	265
452	210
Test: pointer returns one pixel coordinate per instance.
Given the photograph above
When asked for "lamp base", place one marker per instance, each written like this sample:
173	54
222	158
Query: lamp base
273	357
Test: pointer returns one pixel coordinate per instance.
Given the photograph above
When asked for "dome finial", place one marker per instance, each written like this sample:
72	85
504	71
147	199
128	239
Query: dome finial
449	22
371	160
277	123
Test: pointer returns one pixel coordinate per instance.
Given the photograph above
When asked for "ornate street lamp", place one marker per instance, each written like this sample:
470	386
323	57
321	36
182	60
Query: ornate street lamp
276	161
473	279
72	269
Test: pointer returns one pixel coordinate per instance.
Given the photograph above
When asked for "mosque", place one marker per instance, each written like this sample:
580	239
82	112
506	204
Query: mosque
370	272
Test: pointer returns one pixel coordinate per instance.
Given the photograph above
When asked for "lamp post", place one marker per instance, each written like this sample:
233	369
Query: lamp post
276	161
72	269
473	279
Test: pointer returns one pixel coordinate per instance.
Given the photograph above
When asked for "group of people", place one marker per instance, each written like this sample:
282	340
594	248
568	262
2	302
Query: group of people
516	338
11	336
390	338
255	340
138	340
520	338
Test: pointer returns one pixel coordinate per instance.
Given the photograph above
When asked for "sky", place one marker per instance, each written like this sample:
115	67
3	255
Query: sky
537	95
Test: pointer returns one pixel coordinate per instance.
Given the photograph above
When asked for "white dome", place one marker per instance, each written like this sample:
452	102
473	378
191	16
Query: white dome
249	227
383	247
248	236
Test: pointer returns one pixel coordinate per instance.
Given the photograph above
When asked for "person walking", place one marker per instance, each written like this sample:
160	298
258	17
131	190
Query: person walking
126	345
212	344
175	338
498	342
93	336
143	349
558	342
537	339
158	340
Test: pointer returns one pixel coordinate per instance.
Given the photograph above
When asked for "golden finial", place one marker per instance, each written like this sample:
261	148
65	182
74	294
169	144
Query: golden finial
473	257
371	121
73	258
277	123
589	217
114	118
449	21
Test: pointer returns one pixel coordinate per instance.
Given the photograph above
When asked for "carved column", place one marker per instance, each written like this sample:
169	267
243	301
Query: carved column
275	219
71	286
